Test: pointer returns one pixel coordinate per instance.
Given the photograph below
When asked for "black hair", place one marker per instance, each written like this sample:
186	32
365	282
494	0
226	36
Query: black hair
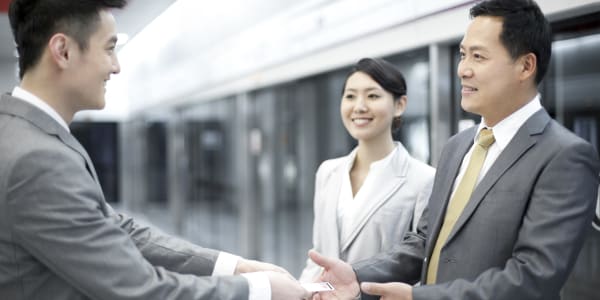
34	22
524	29
386	75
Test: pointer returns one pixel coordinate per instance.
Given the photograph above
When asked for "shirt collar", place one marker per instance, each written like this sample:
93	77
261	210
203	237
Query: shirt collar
376	164
506	129
32	99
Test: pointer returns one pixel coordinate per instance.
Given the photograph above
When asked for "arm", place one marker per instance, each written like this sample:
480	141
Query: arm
402	263
166	251
55	215
549	239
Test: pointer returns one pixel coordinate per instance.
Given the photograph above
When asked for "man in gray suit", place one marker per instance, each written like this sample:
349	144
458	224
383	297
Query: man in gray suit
59	239
510	205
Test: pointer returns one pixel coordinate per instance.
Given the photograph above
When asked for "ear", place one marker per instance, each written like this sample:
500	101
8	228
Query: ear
400	106
527	67
60	52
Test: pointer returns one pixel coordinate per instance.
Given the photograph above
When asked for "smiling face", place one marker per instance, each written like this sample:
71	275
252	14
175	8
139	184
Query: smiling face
92	67
367	110
490	77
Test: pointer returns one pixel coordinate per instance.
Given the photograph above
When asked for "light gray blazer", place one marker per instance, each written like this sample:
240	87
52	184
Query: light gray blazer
394	209
60	240
520	233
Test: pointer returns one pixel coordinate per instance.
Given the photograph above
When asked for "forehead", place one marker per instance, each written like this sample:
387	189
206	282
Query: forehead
483	32
361	80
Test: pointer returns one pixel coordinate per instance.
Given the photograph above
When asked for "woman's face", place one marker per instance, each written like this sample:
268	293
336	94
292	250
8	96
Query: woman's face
367	109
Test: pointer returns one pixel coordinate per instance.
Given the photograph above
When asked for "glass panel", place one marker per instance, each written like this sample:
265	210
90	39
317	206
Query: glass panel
414	132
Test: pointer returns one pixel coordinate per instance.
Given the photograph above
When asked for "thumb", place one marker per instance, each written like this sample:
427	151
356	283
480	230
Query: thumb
373	288
321	260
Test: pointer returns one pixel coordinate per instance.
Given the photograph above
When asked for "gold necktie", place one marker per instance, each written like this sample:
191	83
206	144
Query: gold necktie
460	199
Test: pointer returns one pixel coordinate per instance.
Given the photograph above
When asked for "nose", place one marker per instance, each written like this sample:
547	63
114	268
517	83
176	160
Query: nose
360	105
464	69
116	67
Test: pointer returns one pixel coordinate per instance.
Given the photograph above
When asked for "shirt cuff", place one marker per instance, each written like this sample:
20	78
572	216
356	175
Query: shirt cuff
225	264
259	287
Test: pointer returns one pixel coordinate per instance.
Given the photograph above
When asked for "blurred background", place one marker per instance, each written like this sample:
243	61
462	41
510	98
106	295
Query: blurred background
224	109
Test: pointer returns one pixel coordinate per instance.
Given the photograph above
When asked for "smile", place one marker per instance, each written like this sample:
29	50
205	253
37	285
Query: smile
468	89
361	121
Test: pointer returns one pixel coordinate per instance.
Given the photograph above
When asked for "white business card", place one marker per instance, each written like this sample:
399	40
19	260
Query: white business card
317	286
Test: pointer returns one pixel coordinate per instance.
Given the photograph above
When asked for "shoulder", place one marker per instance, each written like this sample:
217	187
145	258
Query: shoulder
27	150
414	167
331	165
421	169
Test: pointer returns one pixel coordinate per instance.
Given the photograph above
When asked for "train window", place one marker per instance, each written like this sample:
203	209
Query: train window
570	91
415	130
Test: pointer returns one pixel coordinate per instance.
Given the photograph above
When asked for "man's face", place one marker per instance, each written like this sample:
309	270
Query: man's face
94	66
489	75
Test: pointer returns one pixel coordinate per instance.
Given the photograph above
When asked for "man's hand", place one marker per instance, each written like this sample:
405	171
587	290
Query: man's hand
284	287
339	274
388	291
248	265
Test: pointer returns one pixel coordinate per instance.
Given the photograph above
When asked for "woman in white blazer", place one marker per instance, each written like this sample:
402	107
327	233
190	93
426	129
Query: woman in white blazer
364	202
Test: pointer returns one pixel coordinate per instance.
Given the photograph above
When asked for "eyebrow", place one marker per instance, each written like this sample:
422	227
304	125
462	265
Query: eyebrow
367	89
473	48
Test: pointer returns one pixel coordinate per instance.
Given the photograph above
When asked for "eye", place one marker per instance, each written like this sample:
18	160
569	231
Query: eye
461	55
373	96
478	56
349	96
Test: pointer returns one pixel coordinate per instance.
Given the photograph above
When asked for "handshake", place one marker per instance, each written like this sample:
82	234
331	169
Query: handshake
337	282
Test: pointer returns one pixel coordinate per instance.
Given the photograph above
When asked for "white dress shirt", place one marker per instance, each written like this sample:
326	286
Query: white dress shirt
349	204
504	131
258	283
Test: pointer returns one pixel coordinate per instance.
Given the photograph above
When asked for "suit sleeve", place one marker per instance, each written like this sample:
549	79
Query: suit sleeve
159	249
550	237
57	217
402	263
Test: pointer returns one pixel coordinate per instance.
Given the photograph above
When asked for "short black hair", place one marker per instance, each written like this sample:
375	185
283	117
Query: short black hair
385	74
33	22
525	29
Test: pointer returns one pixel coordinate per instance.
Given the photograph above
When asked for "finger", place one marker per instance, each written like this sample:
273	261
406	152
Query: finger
372	288
321	260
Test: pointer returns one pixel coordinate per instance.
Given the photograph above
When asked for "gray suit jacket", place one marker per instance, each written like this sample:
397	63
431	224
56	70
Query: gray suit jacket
60	240
393	209
522	229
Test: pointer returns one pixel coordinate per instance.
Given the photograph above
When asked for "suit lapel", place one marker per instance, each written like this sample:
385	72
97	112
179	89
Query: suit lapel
391	180
330	203
523	140
44	122
452	167
70	141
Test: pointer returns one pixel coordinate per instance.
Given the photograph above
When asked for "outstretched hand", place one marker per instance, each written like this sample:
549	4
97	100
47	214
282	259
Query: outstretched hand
339	274
284	287
248	265
388	291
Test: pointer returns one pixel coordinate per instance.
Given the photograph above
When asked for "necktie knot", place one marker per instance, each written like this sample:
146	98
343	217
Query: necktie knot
485	138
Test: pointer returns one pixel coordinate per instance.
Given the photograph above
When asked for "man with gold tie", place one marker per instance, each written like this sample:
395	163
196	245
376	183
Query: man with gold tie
512	195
